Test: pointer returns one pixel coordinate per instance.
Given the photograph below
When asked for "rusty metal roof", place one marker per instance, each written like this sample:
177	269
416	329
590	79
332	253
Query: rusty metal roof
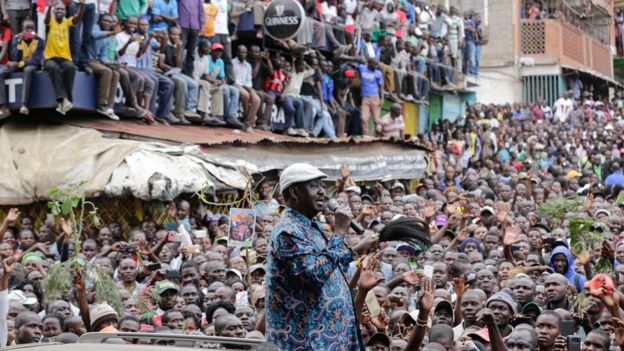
194	134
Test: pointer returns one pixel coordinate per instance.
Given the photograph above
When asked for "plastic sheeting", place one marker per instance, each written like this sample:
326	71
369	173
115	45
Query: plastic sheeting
41	156
38	157
366	161
163	173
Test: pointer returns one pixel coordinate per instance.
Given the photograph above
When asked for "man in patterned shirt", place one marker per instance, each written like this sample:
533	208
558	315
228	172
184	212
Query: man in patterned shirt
308	302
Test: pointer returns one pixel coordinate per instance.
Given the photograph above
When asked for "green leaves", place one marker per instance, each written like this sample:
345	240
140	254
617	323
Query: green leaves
561	206
71	203
58	281
105	288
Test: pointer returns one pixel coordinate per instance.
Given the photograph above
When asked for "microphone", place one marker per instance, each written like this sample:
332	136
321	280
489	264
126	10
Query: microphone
332	205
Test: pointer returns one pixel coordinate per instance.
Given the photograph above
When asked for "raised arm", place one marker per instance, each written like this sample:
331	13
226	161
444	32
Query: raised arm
425	303
78	16
8	265
368	280
10	218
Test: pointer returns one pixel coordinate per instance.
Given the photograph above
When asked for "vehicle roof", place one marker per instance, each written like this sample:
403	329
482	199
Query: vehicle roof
97	347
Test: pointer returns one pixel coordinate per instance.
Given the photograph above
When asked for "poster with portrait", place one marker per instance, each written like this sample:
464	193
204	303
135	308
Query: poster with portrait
242	227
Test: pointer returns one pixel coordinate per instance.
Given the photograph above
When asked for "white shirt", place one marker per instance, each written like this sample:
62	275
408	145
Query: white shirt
221	20
563	107
200	67
350	7
425	18
296	80
4	311
242	73
329	12
130	56
547	111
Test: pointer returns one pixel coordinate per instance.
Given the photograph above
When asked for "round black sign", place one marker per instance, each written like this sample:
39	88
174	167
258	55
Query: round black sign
283	19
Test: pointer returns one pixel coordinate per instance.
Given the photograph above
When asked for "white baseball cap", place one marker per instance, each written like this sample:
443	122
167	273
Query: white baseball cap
356	189
299	173
21	298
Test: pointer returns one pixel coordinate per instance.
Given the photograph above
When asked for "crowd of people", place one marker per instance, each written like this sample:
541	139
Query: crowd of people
503	271
212	63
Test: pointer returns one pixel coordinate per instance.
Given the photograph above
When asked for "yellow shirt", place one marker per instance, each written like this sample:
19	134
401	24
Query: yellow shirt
210	10
57	41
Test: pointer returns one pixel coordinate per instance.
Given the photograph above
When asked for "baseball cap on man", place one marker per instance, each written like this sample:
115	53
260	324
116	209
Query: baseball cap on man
165	285
355	189
299	173
398	185
257	267
21	298
216	46
378	338
488	209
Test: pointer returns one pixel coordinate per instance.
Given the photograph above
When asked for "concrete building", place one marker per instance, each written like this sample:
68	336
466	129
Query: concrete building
530	58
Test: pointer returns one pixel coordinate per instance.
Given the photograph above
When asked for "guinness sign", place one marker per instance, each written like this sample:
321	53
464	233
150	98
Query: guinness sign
283	19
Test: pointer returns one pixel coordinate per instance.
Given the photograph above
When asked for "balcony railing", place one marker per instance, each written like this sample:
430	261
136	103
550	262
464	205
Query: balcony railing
548	40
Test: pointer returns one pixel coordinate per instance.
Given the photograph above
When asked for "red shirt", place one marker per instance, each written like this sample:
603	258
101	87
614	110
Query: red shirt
6	37
275	83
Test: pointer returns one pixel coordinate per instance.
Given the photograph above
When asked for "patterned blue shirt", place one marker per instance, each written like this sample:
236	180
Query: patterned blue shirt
308	302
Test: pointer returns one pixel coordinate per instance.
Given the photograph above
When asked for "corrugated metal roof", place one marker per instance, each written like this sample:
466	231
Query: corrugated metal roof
194	134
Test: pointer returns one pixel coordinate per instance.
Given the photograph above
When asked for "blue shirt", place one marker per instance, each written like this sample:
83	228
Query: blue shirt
308	301
162	7
146	60
371	81
214	65
99	49
615	178
468	36
328	88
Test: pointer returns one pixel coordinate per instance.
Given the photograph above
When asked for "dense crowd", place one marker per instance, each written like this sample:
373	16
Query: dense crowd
504	270
212	63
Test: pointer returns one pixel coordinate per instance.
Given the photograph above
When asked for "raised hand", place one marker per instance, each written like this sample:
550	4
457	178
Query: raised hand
561	344
381	321
502	211
619	331
143	247
412	277
584	257
345	172
429	211
78	279
486	317
368	276
342	222
8	264
425	295
462	235
13	215
66	227
369	240
459	285
512	235
369	211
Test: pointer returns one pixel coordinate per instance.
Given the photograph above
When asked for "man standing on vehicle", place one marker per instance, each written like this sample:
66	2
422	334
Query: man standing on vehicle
307	288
